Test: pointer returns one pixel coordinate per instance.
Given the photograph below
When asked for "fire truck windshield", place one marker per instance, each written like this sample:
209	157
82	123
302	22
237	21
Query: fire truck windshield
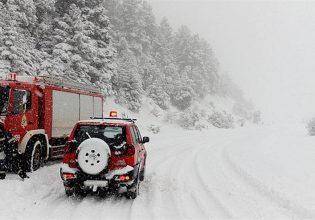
4	99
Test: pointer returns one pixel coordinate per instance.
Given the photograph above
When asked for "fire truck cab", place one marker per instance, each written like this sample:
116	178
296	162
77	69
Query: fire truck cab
40	113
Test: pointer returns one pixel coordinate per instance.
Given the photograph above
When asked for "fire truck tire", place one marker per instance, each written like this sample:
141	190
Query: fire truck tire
34	155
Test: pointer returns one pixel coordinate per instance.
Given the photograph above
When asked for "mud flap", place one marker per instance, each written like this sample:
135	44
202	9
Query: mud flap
3	167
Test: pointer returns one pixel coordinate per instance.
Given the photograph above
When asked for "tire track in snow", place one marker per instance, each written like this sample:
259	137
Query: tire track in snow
179	164
241	201
207	190
266	191
173	170
189	186
217	183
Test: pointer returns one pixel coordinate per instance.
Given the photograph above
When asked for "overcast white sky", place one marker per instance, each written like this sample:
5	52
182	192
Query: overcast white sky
267	47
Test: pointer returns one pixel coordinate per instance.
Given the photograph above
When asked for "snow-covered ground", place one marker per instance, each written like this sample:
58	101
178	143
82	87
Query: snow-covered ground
251	172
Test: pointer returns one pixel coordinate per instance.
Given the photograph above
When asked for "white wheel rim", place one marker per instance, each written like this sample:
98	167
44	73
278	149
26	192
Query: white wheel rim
93	155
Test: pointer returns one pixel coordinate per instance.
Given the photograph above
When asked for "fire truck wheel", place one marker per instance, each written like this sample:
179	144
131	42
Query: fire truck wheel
34	155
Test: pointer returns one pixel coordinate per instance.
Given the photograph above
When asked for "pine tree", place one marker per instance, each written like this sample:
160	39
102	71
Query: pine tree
183	51
126	82
163	45
158	94
46	13
81	41
17	45
23	12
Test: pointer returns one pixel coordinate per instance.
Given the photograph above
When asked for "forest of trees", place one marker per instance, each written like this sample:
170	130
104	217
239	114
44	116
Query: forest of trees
115	44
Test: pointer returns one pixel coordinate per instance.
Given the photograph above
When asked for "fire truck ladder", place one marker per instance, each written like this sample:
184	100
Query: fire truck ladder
57	151
70	84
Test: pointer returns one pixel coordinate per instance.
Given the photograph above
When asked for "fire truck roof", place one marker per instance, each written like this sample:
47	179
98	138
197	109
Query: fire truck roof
50	80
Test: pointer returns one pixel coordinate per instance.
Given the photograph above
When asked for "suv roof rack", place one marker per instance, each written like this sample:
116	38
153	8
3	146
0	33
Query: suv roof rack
122	119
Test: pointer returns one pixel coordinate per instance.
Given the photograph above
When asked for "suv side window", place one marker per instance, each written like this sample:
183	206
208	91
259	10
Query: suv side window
133	135
21	101
138	134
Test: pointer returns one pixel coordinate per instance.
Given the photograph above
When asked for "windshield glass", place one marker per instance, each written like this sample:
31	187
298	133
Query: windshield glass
112	135
4	99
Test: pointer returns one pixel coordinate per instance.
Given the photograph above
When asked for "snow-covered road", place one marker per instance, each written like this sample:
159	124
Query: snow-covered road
252	172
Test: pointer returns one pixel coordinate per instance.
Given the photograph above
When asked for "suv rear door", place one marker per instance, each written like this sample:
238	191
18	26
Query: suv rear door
138	141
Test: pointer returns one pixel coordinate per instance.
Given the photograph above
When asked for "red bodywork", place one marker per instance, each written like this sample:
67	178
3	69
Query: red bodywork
40	114
115	162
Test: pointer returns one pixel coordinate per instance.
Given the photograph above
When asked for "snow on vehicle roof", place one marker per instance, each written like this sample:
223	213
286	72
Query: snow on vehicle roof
2	76
108	121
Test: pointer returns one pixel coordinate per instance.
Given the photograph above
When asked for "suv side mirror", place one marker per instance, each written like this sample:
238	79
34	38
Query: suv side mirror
145	140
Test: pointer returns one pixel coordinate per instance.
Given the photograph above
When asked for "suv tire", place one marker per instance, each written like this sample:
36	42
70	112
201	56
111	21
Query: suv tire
2	176
74	191
142	172
133	190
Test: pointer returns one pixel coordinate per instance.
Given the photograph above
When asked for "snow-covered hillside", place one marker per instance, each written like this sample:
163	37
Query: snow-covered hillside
249	172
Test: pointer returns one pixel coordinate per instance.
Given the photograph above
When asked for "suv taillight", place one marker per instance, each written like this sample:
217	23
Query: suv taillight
70	154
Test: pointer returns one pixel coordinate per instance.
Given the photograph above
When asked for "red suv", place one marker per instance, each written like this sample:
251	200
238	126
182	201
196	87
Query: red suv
104	154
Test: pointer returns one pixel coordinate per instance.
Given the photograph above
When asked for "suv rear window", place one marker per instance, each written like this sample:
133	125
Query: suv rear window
112	135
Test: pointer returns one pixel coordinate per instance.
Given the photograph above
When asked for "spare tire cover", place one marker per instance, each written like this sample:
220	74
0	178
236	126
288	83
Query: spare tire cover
93	155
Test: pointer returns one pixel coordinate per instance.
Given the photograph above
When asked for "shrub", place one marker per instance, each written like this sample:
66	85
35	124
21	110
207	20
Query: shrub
188	119
154	129
221	120
311	127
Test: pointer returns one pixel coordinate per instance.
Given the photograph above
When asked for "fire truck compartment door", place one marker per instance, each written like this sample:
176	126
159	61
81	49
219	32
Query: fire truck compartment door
86	107
66	112
98	107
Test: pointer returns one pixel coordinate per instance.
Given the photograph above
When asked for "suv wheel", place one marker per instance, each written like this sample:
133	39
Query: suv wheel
70	191
74	191
2	176
133	190
93	156
142	172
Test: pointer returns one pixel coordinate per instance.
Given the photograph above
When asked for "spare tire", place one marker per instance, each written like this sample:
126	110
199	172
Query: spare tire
93	155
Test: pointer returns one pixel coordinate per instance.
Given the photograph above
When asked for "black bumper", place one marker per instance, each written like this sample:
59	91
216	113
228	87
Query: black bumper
112	183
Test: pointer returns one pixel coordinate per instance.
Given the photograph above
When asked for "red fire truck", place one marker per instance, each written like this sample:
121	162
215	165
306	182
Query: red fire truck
40	113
